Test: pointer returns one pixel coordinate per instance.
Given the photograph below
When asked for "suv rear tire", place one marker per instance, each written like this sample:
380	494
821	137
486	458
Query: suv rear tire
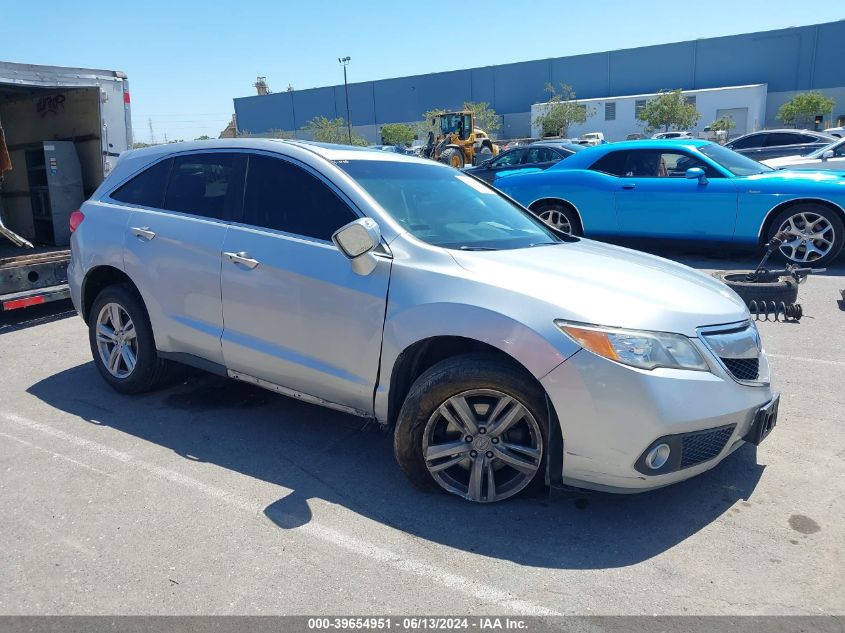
122	341
437	449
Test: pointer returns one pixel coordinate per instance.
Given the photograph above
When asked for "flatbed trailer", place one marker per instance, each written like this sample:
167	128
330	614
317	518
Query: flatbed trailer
54	121
32	278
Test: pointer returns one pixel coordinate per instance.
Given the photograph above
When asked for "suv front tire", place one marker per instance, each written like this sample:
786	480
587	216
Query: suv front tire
476	426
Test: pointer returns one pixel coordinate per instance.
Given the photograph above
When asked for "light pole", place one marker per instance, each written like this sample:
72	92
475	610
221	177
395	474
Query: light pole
344	61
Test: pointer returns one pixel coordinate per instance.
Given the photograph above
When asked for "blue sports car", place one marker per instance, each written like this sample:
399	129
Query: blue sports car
687	190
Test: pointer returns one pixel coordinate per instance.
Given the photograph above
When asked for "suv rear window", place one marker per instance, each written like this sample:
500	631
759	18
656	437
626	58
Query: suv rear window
207	184
147	188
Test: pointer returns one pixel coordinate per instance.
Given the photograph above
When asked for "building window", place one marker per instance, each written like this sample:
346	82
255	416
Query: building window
610	111
689	100
639	106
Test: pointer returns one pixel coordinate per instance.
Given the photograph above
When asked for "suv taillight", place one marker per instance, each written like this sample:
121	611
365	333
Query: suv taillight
76	218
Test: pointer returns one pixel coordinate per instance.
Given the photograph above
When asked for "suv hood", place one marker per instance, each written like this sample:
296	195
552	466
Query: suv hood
608	285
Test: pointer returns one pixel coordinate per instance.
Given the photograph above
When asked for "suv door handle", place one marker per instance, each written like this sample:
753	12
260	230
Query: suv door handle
143	232
242	258
628	185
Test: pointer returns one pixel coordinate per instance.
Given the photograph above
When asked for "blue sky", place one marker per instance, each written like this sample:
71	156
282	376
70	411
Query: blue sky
187	59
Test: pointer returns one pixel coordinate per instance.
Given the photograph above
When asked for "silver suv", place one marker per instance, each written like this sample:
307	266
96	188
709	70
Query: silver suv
503	354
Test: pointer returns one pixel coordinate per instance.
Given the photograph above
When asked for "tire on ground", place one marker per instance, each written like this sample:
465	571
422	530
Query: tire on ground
783	290
453	376
451	155
150	370
828	214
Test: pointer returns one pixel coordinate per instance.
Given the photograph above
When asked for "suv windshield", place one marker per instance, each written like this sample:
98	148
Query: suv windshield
446	208
735	163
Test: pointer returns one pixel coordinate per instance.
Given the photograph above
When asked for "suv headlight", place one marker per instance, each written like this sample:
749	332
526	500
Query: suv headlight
646	350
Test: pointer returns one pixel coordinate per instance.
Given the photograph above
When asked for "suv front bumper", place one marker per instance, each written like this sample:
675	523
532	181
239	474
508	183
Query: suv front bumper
610	414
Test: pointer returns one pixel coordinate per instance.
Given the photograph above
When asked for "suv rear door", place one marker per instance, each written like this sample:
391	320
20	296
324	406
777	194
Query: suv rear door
296	315
173	246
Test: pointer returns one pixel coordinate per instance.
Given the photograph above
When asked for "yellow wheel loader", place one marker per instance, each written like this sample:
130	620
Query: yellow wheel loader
457	141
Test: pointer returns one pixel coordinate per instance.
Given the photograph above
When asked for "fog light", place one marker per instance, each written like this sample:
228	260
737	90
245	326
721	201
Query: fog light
657	457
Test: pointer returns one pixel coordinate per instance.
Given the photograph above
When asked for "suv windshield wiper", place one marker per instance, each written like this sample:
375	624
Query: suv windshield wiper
477	248
544	244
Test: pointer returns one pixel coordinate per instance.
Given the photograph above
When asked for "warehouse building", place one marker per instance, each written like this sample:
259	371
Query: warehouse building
784	61
616	117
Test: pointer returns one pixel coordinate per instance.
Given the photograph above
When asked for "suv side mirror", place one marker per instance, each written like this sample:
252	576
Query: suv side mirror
696	173
827	154
356	241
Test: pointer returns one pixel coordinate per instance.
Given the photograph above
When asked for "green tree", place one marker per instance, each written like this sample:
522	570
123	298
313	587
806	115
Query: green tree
667	110
804	107
140	145
561	112
723	124
485	116
397	134
204	137
425	126
332	131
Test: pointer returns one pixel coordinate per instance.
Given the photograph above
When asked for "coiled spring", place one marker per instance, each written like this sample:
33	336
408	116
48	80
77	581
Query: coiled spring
762	310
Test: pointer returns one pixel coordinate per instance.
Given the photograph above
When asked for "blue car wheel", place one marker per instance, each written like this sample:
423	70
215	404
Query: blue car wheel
561	217
815	234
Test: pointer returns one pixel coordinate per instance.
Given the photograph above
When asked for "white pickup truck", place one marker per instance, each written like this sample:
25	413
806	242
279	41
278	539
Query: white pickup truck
61	131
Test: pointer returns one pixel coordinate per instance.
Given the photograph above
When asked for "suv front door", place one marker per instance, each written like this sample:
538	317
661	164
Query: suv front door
173	244
296	315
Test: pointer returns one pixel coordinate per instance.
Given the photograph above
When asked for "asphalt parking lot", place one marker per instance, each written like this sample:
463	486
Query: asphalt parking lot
214	497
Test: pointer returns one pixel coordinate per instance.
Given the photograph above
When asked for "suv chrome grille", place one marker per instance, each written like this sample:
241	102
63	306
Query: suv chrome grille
743	368
699	447
737	347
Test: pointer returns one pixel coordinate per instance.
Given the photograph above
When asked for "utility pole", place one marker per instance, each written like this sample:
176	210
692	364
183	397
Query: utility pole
152	136
344	61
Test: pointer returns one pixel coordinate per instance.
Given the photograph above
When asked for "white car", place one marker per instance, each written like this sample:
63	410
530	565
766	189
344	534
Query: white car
591	138
838	132
673	135
828	158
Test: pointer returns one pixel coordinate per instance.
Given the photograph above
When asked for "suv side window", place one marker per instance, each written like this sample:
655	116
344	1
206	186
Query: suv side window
755	140
207	184
147	188
284	197
806	138
777	139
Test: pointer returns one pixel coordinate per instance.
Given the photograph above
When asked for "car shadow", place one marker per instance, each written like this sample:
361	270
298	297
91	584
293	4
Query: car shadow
35	315
322	454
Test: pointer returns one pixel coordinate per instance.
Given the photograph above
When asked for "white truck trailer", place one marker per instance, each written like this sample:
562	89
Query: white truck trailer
61	131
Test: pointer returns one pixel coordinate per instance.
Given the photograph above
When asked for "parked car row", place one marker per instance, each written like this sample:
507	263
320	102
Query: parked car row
691	190
776	143
538	155
829	157
503	339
